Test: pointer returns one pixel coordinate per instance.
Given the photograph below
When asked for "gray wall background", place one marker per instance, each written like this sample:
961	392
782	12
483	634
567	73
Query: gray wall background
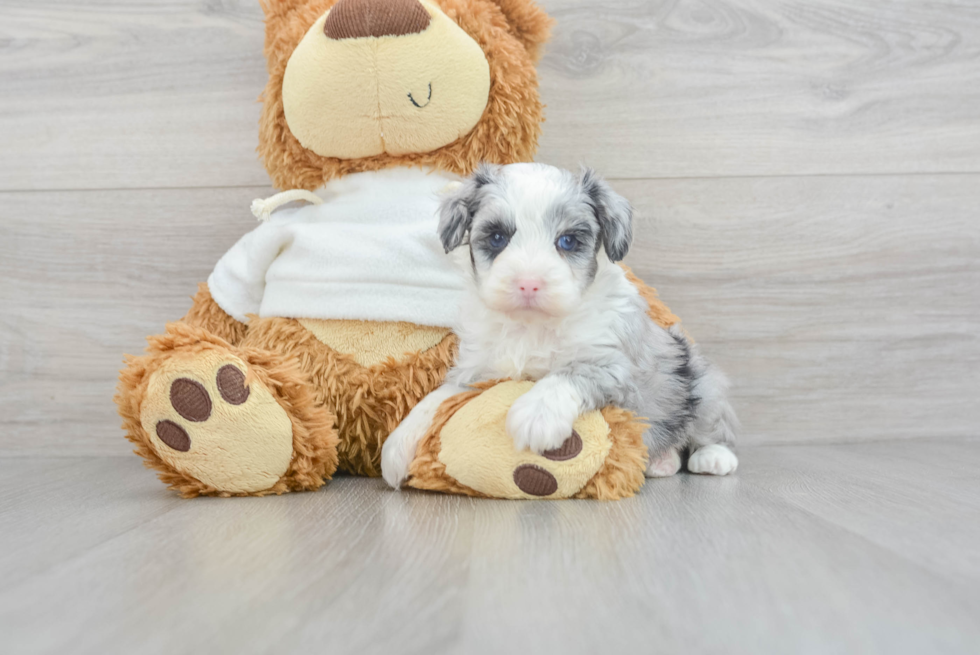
807	176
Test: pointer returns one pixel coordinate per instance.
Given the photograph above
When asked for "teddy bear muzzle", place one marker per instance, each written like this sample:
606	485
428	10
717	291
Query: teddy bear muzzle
374	77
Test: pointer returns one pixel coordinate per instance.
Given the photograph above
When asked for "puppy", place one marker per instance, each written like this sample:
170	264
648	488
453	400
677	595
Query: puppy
546	302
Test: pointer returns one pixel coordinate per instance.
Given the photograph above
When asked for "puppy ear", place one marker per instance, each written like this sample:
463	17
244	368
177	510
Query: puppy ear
458	208
614	213
455	217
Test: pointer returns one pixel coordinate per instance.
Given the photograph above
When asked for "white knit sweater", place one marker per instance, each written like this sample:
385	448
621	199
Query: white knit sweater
369	252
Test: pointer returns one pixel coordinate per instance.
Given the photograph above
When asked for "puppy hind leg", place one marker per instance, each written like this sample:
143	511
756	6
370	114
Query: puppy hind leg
664	449
664	465
714	426
713	434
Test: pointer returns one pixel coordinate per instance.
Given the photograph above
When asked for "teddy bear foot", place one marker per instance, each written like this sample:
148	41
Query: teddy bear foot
468	450
216	420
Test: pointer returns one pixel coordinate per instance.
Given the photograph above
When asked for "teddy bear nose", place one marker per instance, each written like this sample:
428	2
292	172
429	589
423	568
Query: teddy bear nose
352	19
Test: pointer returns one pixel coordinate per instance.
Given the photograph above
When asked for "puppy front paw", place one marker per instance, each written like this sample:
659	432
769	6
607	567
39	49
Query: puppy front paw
541	422
397	454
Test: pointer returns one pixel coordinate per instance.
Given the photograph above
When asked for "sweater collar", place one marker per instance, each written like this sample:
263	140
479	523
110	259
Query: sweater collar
401	178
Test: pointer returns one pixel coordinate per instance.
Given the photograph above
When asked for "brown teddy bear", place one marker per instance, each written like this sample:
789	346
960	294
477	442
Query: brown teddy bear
319	330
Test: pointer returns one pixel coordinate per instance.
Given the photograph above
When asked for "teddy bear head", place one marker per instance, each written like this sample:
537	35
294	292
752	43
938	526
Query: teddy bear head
359	85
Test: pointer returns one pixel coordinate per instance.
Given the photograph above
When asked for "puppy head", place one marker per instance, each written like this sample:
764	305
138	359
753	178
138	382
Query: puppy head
535	233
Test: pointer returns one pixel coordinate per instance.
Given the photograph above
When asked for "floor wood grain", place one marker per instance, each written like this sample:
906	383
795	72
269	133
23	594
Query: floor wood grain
809	549
668	88
931	517
843	308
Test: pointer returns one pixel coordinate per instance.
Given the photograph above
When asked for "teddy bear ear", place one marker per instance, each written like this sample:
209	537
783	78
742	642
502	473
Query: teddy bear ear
279	8
282	30
276	12
528	22
276	8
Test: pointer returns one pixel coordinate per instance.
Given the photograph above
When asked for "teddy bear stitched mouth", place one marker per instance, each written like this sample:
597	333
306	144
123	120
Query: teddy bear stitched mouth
427	100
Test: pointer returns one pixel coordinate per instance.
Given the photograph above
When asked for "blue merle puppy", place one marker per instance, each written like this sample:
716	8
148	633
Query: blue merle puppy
546	302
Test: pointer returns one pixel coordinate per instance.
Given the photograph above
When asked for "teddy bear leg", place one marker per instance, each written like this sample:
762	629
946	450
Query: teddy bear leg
215	419
206	314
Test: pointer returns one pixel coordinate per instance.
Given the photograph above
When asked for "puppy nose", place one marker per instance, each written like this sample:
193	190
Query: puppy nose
351	19
529	286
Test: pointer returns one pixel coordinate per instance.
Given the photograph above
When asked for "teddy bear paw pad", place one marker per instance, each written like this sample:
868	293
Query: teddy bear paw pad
534	480
569	448
206	422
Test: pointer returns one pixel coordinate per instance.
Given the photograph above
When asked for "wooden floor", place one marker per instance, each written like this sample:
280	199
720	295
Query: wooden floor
806	175
862	548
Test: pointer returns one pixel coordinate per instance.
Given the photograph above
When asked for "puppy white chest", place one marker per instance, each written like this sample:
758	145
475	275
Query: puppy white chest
525	352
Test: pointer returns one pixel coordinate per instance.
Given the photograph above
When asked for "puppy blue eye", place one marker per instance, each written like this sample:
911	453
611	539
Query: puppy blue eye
567	242
497	240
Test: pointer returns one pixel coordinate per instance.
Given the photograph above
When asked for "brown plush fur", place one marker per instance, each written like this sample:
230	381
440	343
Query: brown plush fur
528	22
206	314
507	132
658	311
426	471
369	402
621	474
314	437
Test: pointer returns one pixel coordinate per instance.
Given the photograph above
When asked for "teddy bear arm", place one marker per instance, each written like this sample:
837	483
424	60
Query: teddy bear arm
205	313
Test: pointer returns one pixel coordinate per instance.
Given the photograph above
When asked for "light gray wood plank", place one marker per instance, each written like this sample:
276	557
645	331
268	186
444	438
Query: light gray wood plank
705	564
842	308
919	499
669	88
84	277
114	94
700	565
54	509
242	575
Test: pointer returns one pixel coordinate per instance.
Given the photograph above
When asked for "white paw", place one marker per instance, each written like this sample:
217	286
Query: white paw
541	422
665	465
399	451
715	459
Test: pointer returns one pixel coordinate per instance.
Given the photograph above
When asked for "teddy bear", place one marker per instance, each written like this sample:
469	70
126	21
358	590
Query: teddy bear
321	328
